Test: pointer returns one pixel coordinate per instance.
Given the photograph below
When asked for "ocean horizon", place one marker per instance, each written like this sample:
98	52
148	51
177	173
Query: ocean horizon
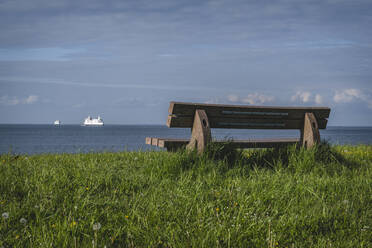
75	138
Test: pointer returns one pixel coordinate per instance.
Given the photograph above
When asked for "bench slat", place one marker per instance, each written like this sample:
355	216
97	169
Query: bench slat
238	111
242	123
254	143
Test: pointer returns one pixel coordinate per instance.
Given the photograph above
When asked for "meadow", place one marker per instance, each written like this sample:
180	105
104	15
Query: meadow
290	197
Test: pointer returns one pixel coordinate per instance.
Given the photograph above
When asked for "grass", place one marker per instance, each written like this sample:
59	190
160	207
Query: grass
224	198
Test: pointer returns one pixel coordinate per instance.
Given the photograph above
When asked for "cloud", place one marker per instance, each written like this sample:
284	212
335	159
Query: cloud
31	99
347	95
318	99
233	98
303	96
350	95
254	98
12	101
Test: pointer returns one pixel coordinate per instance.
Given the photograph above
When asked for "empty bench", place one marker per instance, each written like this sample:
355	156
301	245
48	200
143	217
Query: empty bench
202	117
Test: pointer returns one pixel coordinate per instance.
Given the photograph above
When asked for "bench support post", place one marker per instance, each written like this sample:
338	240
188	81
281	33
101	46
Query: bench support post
201	132
310	132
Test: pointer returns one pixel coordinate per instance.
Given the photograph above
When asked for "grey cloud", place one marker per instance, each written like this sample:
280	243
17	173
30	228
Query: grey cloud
129	23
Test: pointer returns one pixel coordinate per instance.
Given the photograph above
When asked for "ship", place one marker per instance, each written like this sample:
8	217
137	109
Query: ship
57	122
89	121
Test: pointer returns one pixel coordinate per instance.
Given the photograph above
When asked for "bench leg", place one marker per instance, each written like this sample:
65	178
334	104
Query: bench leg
310	132
201	132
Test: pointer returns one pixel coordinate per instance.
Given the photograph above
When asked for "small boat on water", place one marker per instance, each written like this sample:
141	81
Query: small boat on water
57	122
89	121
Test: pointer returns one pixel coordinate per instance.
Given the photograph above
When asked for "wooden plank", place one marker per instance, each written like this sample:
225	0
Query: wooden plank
164	142
148	141
269	143
254	143
188	109
242	123
154	141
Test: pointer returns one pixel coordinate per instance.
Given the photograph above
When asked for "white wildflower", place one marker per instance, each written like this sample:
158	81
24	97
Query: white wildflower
96	226
5	215
23	221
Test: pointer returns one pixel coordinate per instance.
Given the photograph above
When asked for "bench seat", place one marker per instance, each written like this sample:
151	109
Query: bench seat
174	144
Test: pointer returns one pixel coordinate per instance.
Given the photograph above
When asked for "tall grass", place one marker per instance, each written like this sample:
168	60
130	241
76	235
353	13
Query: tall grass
224	198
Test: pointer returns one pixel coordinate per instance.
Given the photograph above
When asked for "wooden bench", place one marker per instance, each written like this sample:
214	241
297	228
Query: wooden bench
202	117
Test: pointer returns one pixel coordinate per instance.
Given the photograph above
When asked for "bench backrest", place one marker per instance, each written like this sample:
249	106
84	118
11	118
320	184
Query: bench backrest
245	117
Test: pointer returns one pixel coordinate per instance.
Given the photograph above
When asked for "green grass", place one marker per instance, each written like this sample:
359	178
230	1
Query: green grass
225	198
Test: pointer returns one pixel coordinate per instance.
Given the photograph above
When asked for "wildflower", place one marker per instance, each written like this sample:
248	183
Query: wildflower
87	188
365	228
5	215
96	226
23	221
54	225
135	158
73	224
217	209
17	236
75	207
126	216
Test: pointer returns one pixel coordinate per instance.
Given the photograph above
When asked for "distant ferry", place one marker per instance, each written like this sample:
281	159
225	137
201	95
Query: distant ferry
93	121
57	122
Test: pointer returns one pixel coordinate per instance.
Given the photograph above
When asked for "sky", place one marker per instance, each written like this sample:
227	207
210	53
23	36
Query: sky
126	60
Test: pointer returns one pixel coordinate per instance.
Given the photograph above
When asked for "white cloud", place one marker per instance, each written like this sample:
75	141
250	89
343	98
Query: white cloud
349	95
303	96
233	98
31	99
318	99
254	98
12	101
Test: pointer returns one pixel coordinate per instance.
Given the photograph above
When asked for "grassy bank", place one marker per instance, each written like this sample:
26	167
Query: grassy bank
265	198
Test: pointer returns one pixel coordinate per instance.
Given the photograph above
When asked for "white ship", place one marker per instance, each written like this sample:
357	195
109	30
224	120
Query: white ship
57	122
93	121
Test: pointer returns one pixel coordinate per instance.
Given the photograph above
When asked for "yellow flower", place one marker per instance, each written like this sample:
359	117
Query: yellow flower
73	224
217	209
54	225
126	216
87	188
17	237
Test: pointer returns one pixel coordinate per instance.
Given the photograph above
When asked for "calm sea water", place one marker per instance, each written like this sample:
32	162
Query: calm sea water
34	139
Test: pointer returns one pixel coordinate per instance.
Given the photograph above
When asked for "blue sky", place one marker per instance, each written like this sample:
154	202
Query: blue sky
126	60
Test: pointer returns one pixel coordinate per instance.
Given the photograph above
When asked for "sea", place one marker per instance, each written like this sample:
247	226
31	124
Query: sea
41	139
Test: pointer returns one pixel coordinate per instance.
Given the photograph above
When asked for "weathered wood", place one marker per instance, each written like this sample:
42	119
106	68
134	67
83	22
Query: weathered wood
201	132
310	131
242	123
218	110
173	144
148	140
202	117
